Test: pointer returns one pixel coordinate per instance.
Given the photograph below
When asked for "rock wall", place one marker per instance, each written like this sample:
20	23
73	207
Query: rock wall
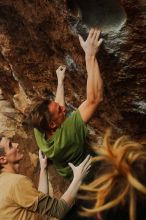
38	35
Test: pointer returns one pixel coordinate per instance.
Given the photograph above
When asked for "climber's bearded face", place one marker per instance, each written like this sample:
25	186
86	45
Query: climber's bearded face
57	114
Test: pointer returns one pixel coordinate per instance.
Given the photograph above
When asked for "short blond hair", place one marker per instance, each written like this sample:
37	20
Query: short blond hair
123	163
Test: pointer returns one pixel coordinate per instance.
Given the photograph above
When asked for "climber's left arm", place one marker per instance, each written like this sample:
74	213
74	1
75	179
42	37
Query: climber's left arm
60	72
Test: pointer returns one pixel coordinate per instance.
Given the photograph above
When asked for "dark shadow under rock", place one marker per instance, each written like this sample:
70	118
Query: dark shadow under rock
107	15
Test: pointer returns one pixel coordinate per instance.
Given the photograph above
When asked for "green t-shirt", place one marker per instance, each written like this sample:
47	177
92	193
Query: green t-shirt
66	145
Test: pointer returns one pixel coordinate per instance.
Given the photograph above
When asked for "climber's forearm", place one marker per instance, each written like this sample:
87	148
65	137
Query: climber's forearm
94	81
43	181
60	93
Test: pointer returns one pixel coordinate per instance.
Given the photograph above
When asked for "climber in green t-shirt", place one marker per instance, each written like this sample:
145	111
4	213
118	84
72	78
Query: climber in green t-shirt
62	138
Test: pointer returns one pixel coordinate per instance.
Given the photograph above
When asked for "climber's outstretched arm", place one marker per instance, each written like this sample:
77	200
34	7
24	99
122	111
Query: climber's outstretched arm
60	99
94	80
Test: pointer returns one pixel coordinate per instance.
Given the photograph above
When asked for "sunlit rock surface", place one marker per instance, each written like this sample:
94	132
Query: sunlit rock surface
37	36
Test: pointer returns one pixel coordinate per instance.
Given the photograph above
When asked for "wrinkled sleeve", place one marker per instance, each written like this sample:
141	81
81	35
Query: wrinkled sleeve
57	208
27	196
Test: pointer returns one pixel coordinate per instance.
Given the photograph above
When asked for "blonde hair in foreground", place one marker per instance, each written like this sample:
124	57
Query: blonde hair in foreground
122	161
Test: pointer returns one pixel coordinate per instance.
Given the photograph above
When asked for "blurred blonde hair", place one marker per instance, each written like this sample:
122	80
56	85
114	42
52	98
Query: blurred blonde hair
122	163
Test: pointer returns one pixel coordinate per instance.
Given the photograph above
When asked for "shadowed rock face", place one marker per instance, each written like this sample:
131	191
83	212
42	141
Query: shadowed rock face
37	36
107	15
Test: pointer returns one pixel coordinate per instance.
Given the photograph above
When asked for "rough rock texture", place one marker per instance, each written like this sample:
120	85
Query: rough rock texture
38	35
